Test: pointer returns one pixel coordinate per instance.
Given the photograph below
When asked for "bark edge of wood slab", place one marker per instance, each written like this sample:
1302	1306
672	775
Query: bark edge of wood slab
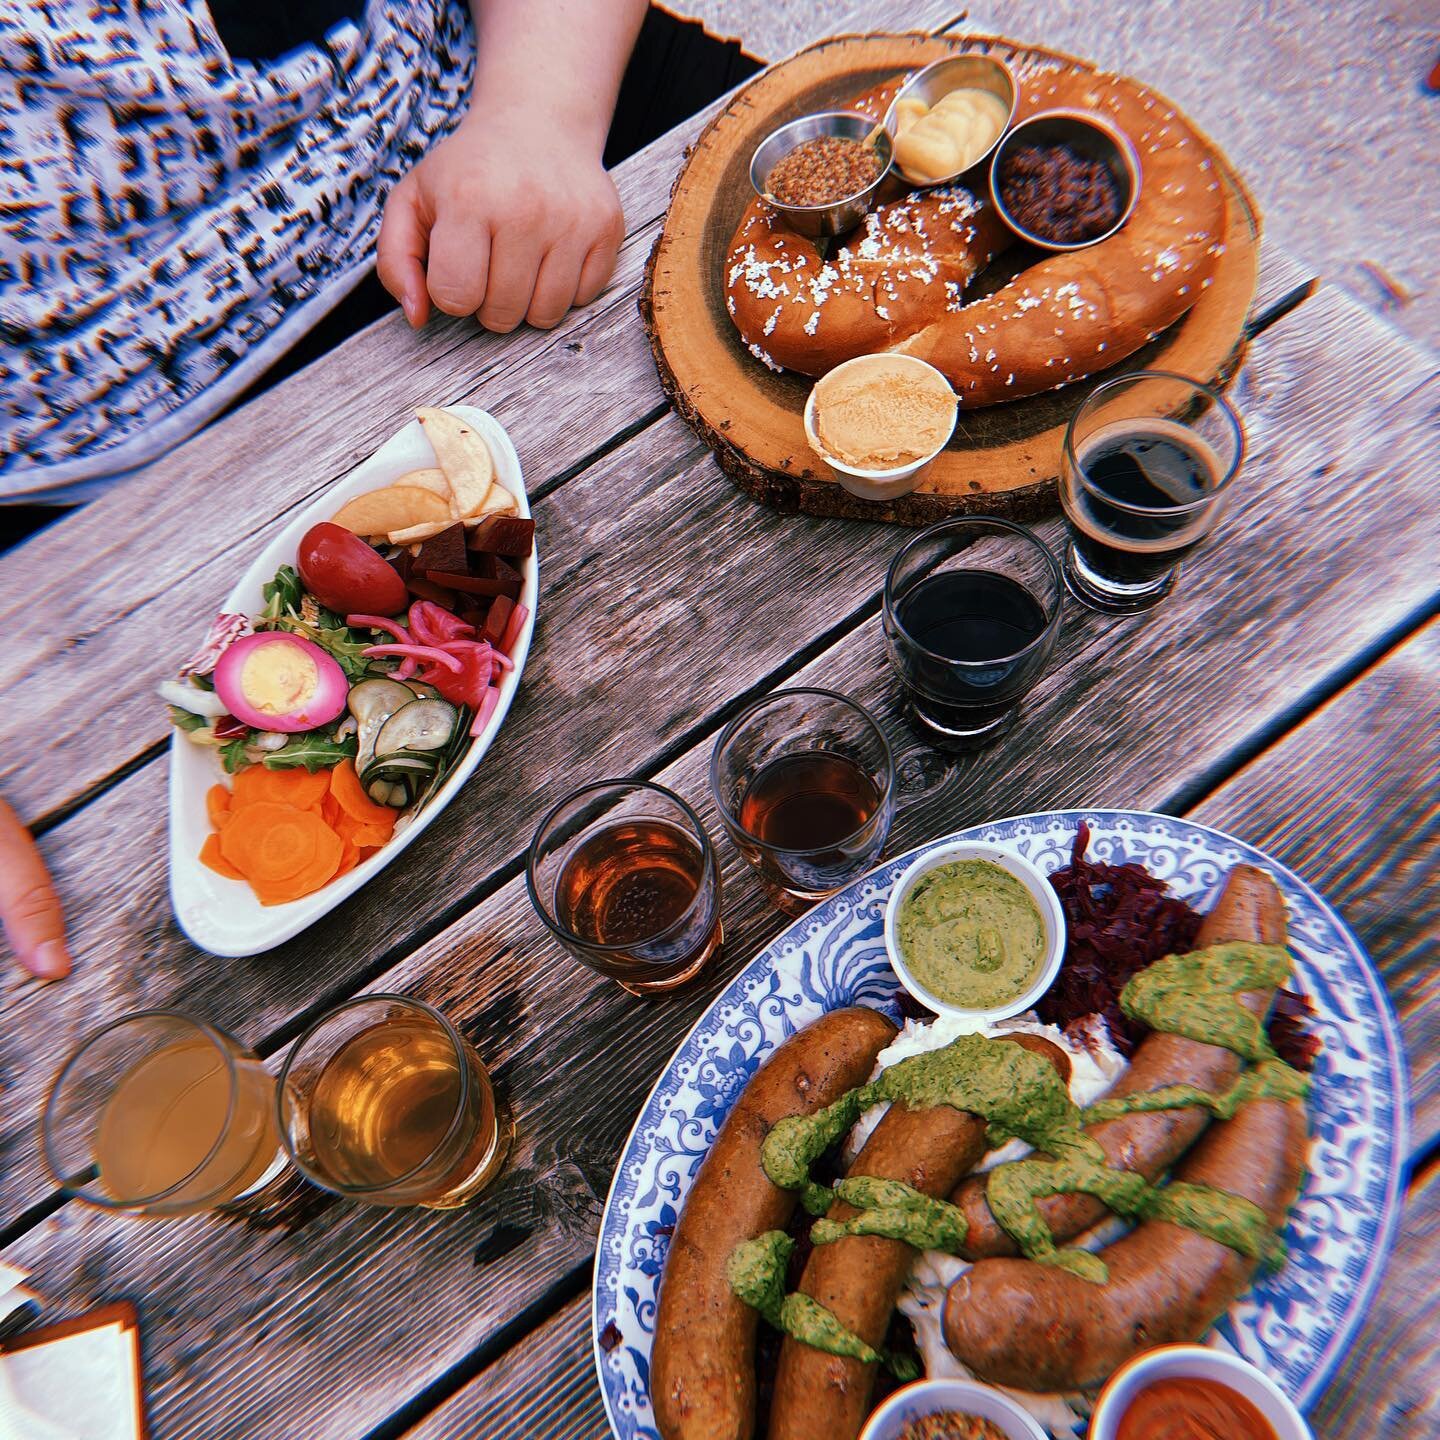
1003	459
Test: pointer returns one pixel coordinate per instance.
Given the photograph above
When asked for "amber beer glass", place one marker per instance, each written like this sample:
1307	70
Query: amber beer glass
161	1114
624	875
805	784
383	1100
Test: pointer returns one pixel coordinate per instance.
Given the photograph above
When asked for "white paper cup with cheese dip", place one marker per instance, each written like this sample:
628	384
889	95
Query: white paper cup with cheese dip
1035	884
877	482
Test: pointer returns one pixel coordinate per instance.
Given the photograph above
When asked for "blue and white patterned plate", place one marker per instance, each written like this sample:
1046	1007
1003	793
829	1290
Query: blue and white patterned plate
1295	1324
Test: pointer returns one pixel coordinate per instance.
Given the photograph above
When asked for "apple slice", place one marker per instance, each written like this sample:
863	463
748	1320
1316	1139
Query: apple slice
395	507
431	479
463	456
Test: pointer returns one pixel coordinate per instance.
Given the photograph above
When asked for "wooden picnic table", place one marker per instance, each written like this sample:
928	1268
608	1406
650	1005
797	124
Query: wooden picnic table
1287	693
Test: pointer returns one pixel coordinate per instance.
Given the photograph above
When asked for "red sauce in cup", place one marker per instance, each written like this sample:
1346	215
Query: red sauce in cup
1192	1410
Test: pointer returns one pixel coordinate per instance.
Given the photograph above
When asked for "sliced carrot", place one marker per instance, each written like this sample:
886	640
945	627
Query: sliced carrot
270	843
210	855
349	857
217	805
346	788
370	836
298	787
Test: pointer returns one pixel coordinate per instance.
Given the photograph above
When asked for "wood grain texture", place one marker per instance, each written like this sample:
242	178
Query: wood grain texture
1388	1388
1341	799
1335	799
335	1299
109	601
1002	458
620	535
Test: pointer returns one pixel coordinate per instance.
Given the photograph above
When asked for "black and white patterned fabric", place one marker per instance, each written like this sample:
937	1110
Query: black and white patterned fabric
172	219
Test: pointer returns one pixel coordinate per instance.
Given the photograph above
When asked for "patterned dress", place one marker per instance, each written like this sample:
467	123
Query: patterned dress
172	219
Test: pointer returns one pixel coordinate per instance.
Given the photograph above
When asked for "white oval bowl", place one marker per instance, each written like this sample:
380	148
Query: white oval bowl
1195	1362
223	916
877	484
933	1397
1040	891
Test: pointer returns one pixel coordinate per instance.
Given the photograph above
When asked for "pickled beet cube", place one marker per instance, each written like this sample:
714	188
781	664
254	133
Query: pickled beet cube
424	588
445	551
475	584
501	608
503	535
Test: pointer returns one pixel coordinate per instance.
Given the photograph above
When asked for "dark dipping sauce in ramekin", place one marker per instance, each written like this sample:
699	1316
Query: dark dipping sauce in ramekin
822	171
1059	195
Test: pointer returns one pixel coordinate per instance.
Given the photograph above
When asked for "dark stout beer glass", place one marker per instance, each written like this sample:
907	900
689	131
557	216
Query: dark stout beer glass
1145	469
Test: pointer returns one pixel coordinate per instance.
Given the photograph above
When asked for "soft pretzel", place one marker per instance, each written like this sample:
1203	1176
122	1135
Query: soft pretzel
899	282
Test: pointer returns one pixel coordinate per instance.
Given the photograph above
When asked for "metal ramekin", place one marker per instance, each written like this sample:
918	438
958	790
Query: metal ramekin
839	216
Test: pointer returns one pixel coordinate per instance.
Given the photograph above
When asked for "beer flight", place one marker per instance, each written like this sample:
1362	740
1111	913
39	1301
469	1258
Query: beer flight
383	1100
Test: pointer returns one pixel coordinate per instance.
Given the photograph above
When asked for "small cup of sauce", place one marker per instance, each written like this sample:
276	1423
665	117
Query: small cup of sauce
974	930
1191	1392
1064	179
951	1410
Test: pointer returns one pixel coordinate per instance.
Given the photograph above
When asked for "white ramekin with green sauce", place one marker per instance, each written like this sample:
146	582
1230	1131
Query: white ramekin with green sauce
974	930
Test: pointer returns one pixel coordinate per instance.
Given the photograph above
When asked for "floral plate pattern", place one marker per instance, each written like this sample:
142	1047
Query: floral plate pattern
1294	1324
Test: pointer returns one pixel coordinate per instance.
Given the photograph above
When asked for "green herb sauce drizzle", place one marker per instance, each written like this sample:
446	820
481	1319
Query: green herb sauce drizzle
756	1272
1020	1095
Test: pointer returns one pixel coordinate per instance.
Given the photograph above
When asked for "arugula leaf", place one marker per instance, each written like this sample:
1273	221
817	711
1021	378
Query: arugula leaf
283	595
313	750
339	643
232	755
186	720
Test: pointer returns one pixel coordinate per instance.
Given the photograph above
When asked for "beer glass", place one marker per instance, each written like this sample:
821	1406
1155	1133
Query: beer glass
971	613
624	876
383	1100
160	1114
804	781
1145	471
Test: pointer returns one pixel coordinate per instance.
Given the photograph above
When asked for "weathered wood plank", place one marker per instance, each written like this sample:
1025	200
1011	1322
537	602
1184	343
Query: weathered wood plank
1387	1389
757	589
545	1386
1312	799
575	1055
1333	799
107	602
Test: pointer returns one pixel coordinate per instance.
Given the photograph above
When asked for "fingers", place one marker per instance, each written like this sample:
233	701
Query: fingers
401	252
514	267
460	265
599	266
555	286
29	906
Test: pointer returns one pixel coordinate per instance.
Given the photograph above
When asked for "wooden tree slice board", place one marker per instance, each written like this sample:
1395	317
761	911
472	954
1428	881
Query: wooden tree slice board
1003	459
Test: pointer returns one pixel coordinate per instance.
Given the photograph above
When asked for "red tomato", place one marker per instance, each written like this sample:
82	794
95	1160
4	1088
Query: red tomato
345	575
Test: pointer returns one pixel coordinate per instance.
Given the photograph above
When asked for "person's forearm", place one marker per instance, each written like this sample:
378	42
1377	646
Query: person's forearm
561	59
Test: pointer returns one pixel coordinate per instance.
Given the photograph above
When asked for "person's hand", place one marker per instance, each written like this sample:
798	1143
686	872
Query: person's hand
29	906
510	218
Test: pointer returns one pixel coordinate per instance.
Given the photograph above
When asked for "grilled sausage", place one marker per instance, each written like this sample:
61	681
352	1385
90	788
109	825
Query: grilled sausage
1248	908
858	1278
1036	1327
703	1361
